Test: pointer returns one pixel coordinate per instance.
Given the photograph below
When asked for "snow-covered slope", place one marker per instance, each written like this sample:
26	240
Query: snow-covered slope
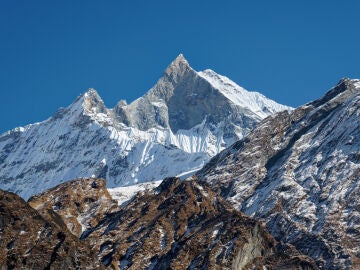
177	126
253	101
300	172
123	195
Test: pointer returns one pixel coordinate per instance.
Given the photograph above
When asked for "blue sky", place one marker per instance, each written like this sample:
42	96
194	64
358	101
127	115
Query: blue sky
51	51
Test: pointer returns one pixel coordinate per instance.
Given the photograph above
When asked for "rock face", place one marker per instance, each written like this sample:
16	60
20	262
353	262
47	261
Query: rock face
28	241
300	173
184	225
178	225
82	203
185	119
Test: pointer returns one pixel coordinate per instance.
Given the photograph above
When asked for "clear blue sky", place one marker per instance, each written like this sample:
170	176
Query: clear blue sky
51	51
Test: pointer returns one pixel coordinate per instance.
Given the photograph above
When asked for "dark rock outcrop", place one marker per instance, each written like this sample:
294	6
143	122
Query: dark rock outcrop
28	241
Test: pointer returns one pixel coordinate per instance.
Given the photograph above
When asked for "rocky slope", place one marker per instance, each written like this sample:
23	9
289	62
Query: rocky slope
28	241
185	119
178	225
300	173
82	203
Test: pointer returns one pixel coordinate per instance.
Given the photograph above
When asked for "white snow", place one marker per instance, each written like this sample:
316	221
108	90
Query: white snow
125	194
215	233
162	239
253	101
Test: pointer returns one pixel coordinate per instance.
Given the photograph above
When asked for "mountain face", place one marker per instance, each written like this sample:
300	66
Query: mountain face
178	225
28	241
177	126
299	172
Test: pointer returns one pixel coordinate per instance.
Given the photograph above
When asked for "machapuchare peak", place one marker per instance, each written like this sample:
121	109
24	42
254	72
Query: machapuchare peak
180	58
178	125
178	67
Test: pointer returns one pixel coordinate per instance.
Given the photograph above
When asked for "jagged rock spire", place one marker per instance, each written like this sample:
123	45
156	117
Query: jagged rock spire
92	101
180	59
176	70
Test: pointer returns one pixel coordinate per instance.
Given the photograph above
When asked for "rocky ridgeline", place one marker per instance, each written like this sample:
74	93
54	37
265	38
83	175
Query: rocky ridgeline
179	225
300	173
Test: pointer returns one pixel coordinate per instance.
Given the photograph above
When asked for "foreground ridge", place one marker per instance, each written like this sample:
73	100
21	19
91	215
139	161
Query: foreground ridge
178	225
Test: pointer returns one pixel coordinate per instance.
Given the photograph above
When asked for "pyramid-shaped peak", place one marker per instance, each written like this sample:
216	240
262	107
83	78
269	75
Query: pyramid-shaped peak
178	68
179	63
180	58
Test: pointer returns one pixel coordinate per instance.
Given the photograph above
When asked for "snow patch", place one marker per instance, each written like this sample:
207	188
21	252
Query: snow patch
124	194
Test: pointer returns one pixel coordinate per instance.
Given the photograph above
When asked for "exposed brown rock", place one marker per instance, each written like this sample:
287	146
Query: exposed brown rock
28	241
81	203
184	225
180	225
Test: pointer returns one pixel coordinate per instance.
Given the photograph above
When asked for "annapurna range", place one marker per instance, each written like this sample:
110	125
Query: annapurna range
271	188
173	130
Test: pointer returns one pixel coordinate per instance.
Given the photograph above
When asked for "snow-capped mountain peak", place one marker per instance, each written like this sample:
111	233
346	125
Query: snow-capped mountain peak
179	61
173	74
183	120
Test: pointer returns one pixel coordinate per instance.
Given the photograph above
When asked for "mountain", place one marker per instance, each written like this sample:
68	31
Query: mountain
178	225
299	172
176	127
28	241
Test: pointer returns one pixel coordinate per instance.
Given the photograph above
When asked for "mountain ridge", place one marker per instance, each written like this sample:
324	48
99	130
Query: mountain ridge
173	129
299	172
